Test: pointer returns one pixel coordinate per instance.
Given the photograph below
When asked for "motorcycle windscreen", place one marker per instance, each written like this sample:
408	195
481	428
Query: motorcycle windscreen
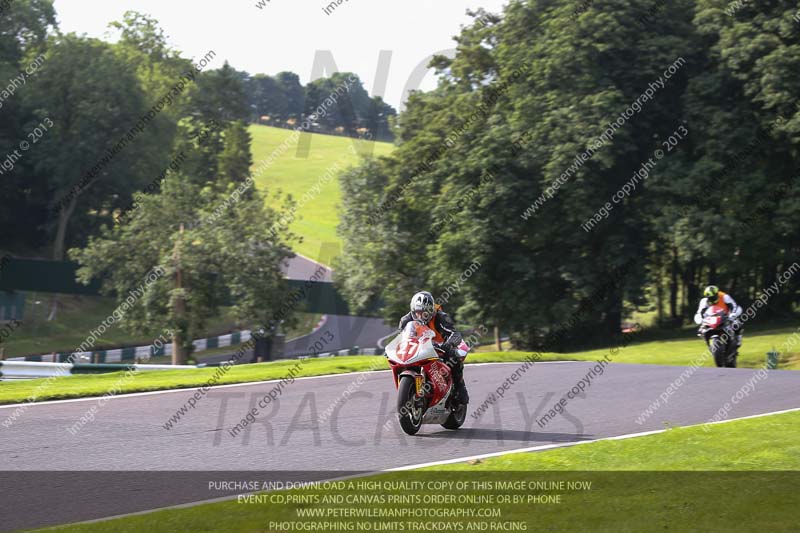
415	343
714	315
412	343
400	342
391	348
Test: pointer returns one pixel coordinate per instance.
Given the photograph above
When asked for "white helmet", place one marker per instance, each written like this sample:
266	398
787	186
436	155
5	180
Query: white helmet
422	306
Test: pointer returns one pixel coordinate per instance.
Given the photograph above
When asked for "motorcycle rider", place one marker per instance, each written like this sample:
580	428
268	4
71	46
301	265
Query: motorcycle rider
425	310
712	296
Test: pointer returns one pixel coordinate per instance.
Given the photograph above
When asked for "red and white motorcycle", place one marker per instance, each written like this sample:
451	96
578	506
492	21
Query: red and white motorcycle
425	387
717	330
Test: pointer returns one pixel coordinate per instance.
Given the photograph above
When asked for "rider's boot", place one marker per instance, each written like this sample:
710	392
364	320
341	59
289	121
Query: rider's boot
458	380
739	334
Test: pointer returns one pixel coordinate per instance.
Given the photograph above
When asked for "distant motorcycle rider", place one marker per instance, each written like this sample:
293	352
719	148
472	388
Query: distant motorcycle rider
425	310
713	296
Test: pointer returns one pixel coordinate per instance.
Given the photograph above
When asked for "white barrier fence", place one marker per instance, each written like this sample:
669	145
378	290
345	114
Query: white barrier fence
28	370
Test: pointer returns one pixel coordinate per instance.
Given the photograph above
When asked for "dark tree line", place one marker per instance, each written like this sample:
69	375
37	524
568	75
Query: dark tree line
735	94
282	101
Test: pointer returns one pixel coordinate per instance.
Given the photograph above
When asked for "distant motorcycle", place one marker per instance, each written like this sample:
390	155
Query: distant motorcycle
717	330
425	388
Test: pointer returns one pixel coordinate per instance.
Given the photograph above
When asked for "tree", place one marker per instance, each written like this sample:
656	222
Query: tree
496	111
220	96
143	45
208	261
142	33
379	118
92	159
23	190
235	160
24	26
748	146
217	103
267	98
345	102
293	91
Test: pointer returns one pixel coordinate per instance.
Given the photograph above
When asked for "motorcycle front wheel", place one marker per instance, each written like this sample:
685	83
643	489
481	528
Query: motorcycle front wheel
408	412
730	361
720	352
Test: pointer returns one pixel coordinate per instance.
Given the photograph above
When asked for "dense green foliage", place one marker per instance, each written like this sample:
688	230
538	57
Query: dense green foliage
137	158
530	99
85	169
210	247
23	189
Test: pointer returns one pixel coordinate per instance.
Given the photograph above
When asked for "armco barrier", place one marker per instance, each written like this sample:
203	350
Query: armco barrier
28	369
35	369
134	353
340	353
15	369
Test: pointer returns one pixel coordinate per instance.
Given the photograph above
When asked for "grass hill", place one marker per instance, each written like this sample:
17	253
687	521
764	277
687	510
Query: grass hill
297	172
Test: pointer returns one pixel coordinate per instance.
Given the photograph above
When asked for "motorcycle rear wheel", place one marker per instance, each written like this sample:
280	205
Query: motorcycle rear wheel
408	413
456	418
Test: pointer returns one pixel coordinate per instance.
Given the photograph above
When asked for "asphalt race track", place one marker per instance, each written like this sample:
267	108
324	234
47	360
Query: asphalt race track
345	331
304	435
339	331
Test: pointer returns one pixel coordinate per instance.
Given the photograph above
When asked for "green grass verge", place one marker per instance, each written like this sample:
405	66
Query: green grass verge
673	352
755	444
685	351
91	385
639	484
318	217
